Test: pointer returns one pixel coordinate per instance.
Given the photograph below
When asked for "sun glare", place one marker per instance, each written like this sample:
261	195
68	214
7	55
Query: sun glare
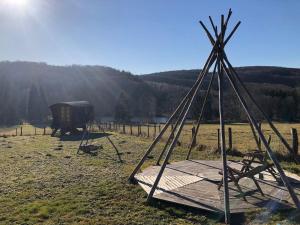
17	3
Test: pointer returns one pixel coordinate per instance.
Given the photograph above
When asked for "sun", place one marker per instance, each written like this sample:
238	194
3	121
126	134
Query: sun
17	3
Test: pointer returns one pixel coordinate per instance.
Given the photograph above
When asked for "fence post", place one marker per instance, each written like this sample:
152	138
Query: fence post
16	131
148	131
219	146
21	131
294	140
259	141
44	131
139	130
130	129
124	131
229	138
194	141
35	131
154	134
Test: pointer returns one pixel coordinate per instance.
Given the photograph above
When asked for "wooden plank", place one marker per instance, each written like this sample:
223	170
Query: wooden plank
178	187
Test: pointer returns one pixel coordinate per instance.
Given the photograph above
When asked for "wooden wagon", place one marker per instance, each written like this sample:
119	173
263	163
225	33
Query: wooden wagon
68	116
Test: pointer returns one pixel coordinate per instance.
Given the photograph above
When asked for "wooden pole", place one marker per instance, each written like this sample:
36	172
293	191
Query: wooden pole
219	142
257	140
221	35
148	130
35	131
130	129
232	32
281	138
294	140
208	64
193	139
263	139
44	133
223	146
21	131
171	136
124	131
172	133
140	127
201	112
174	141
231	69
229	138
116	149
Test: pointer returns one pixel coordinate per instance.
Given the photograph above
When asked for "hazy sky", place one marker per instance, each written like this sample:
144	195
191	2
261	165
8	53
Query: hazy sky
146	36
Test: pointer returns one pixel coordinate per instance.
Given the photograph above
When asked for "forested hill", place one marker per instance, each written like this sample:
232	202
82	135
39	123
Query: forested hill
254	74
27	89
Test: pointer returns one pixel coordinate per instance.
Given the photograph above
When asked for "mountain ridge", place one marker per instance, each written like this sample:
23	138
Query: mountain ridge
28	88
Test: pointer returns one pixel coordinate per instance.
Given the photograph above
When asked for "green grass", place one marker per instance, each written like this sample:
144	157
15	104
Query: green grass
41	185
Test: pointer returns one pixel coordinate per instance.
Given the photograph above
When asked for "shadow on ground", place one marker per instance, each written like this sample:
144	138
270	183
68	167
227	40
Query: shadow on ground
182	211
78	137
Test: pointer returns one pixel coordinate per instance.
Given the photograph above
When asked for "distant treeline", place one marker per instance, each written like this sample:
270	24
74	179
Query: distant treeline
27	89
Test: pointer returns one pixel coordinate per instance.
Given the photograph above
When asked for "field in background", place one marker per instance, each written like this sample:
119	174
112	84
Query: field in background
27	130
242	138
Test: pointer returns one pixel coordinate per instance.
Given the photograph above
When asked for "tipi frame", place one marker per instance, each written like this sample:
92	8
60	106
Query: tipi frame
223	68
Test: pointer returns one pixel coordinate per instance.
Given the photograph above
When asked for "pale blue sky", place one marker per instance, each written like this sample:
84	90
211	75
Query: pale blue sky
147	36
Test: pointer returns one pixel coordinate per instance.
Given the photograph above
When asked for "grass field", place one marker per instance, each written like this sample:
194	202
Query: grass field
242	136
44	181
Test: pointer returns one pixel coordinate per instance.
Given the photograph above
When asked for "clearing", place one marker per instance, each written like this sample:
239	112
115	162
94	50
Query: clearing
43	180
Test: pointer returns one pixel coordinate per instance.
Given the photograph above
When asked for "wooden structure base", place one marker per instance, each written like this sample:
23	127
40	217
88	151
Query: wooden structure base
194	183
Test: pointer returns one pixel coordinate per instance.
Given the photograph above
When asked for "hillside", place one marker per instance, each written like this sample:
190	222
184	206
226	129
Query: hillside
255	74
27	89
276	89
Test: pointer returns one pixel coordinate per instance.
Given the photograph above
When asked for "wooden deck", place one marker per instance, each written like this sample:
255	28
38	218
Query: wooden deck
194	183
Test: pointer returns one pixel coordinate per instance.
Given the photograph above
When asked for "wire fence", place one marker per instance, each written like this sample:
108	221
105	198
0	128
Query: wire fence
238	136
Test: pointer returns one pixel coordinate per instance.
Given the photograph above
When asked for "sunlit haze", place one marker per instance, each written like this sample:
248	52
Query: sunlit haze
146	36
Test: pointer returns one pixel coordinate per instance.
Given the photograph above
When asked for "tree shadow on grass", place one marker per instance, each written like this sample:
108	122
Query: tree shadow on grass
181	211
78	137
286	157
